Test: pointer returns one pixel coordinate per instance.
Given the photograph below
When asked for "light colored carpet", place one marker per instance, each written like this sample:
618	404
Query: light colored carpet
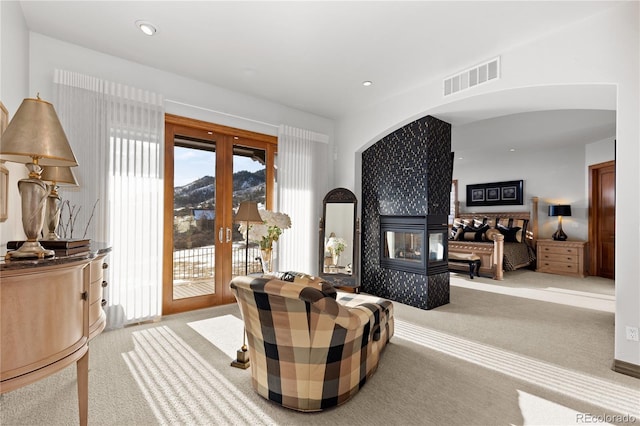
535	349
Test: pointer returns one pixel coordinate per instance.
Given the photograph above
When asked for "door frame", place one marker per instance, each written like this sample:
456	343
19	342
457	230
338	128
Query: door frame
225	138
594	202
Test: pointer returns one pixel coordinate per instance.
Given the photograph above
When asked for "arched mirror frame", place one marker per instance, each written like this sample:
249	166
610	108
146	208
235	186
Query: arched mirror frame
338	276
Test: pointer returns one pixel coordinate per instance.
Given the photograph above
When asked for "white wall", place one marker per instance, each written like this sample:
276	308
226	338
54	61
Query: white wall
600	151
603	49
183	96
556	172
555	176
14	87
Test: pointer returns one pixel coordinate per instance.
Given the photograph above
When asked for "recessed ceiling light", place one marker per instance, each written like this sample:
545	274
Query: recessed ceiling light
512	150
367	83
146	27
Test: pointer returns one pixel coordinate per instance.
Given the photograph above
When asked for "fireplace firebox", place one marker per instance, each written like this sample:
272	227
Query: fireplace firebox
416	244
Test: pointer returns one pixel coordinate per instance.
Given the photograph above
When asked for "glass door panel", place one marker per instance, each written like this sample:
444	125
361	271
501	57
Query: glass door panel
194	216
209	170
249	184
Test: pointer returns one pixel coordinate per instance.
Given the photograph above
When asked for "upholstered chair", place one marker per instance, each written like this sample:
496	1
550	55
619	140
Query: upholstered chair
310	348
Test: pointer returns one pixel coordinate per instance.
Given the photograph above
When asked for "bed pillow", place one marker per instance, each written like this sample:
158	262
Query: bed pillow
474	234
514	223
511	234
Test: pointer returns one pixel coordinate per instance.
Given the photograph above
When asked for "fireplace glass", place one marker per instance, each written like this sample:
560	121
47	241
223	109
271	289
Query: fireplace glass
408	246
414	244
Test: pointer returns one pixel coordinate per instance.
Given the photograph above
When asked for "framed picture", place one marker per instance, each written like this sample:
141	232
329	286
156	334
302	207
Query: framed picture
509	193
4	192
477	195
495	193
4	172
4	118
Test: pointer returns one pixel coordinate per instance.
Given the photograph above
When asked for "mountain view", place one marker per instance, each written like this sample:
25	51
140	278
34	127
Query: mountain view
200	194
194	206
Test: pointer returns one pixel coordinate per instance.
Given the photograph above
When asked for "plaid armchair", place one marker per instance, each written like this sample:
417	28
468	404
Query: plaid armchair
308	349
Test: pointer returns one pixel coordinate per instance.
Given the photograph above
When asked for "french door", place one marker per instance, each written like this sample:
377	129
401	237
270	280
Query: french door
209	170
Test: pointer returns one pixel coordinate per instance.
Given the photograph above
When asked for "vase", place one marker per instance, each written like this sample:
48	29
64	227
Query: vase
335	258
266	260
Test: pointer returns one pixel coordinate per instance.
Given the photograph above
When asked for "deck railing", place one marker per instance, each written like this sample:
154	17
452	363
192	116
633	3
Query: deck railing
199	263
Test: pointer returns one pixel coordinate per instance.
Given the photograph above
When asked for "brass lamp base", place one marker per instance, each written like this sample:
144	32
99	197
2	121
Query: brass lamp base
242	360
30	249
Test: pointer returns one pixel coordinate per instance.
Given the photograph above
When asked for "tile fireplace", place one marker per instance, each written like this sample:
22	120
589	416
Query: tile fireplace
406	184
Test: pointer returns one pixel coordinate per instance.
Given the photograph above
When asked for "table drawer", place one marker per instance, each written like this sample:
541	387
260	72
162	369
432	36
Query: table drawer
559	250
564	258
558	267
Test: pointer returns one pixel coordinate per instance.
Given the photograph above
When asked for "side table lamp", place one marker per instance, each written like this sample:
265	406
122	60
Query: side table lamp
35	137
560	210
55	176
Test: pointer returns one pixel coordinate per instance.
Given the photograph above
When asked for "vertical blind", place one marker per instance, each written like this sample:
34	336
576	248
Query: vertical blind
117	134
302	183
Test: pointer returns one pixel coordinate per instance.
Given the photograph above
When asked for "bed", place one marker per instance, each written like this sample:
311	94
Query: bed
504	241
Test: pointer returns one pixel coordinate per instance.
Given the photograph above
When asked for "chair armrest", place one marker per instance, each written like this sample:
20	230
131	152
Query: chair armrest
354	317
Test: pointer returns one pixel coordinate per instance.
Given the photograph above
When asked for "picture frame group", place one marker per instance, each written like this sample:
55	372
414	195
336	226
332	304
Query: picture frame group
495	193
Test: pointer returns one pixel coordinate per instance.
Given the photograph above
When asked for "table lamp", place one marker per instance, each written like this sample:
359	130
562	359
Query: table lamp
35	137
559	210
247	213
55	176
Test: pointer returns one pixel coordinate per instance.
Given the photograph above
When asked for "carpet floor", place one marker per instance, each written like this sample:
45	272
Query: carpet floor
534	349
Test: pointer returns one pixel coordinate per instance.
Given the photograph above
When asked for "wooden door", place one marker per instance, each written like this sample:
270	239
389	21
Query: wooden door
202	251
602	214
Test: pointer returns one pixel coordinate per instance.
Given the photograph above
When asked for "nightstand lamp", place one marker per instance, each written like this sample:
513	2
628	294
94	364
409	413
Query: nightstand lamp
55	177
35	137
560	210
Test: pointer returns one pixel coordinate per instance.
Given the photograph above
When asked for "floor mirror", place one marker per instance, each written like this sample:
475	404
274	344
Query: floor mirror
339	238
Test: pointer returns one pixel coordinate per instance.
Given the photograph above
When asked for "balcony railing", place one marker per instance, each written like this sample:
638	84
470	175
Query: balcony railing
199	263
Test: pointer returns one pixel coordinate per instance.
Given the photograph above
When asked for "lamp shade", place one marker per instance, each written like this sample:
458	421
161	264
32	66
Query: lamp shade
248	212
35	135
59	175
560	210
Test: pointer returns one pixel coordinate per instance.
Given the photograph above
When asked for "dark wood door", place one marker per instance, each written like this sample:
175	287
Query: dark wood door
602	222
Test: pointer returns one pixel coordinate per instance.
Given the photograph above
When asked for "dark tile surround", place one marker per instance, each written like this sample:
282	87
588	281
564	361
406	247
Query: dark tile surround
407	173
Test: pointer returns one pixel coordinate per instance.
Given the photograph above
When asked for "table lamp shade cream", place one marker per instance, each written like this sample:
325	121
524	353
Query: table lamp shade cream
59	175
35	133
35	137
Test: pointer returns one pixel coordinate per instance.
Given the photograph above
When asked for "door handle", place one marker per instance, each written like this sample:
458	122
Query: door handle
220	237
228	234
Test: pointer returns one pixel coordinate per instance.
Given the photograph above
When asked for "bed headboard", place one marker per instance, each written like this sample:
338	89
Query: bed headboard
532	217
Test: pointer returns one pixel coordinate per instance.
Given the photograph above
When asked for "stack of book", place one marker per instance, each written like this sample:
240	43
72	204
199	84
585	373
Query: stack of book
60	247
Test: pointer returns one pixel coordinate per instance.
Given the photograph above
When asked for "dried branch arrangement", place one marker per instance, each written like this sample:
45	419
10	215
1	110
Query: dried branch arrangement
68	220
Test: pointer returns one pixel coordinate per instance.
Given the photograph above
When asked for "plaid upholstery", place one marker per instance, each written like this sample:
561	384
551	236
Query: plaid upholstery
309	351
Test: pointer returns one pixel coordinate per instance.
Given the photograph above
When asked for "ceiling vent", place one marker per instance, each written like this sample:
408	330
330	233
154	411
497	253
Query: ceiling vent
472	77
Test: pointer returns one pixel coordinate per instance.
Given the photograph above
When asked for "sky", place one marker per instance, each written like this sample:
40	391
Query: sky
191	164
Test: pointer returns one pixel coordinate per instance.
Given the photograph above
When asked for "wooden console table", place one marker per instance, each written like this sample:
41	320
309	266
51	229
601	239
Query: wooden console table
49	311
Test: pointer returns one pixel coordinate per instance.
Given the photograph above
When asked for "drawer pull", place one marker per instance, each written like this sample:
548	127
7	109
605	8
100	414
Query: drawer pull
103	303
104	284
105	265
85	295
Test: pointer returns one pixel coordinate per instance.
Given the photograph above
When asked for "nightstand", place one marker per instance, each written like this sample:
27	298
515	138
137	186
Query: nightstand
562	257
